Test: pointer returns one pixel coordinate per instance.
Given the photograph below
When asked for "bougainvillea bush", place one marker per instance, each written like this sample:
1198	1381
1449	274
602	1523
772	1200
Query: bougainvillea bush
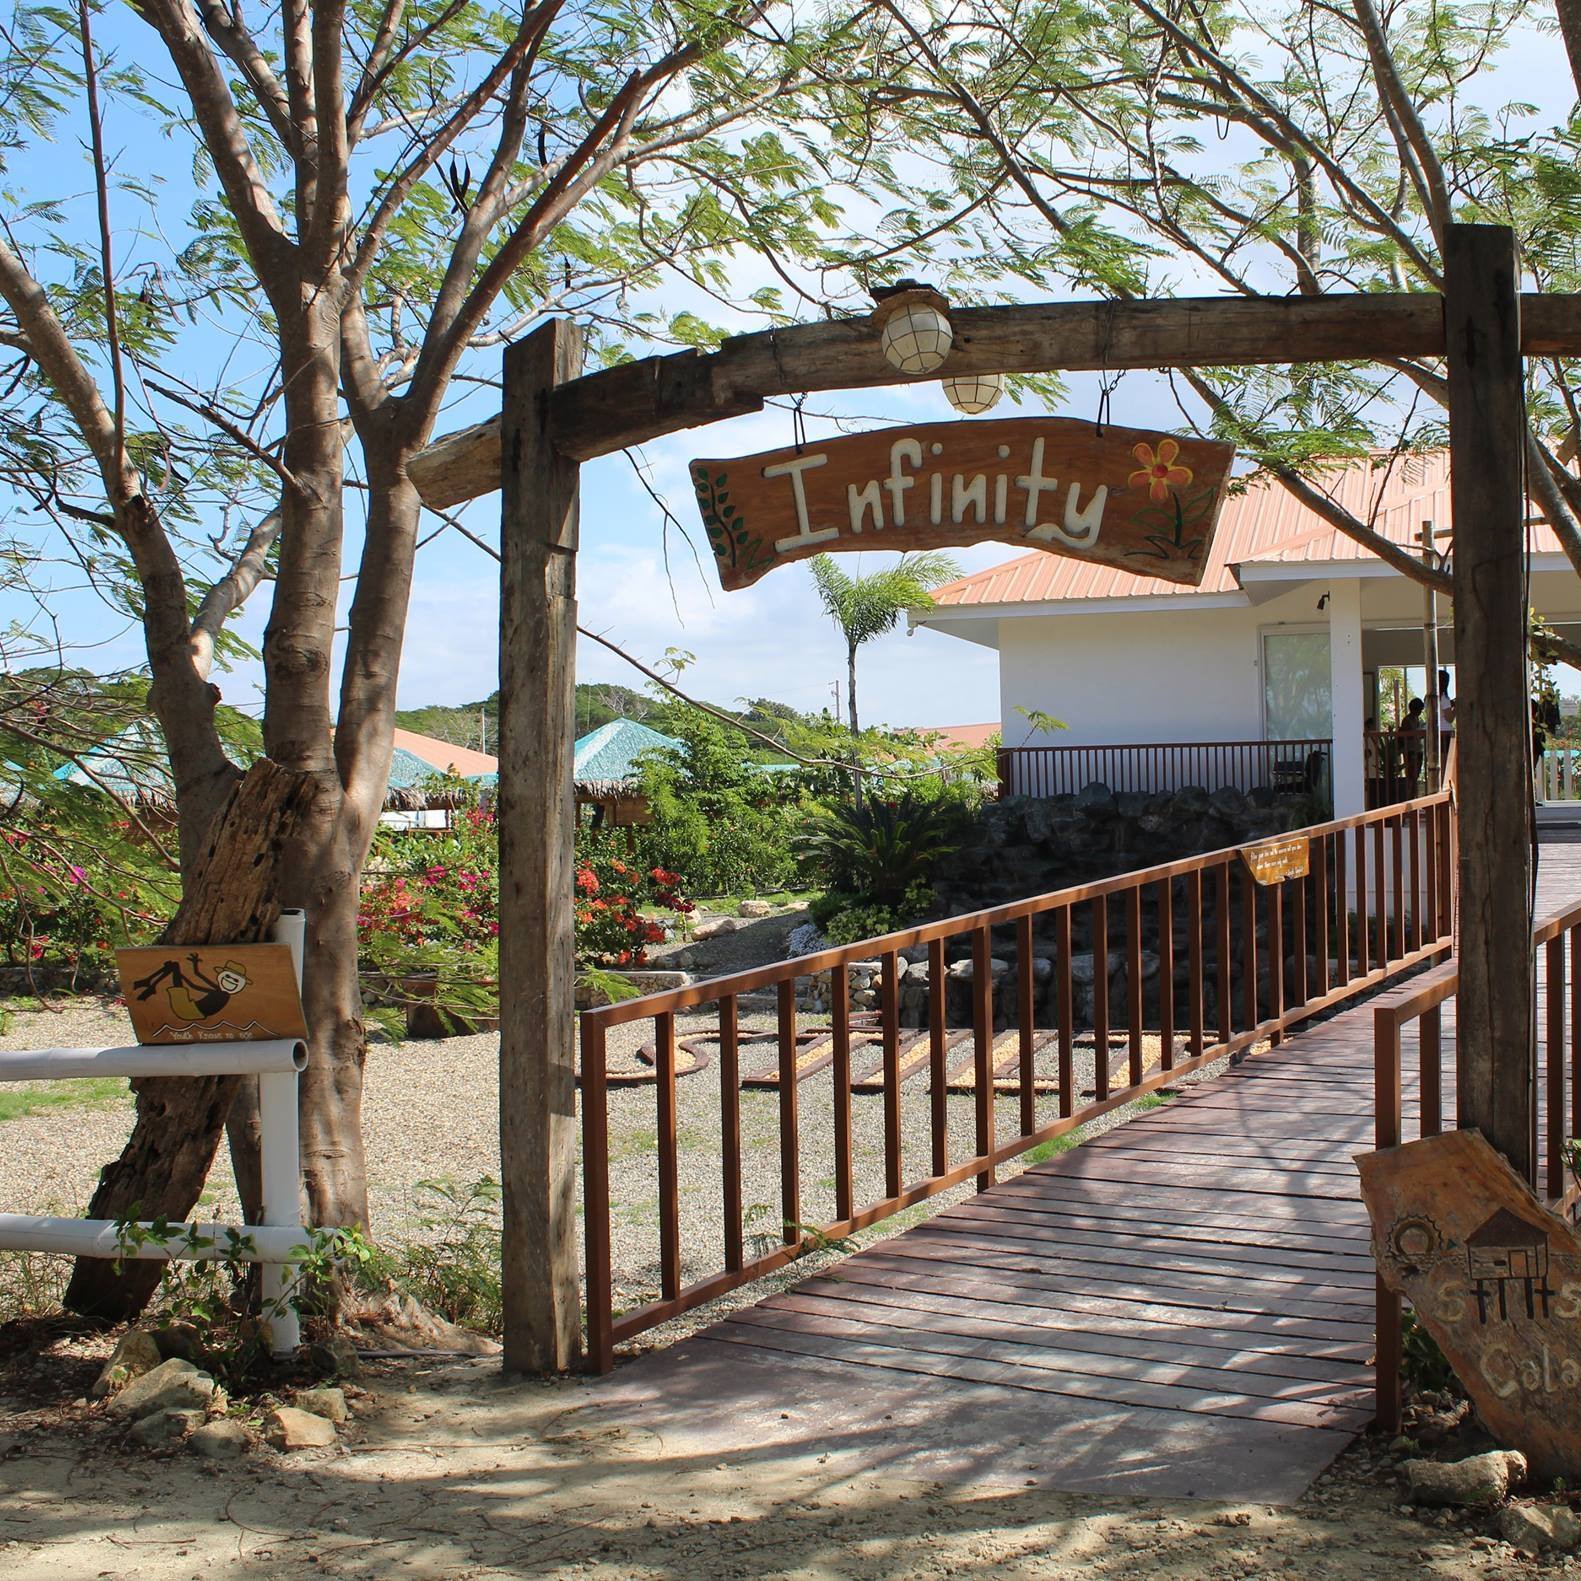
429	918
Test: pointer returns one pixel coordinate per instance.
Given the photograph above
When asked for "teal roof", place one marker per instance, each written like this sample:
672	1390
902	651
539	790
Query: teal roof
610	754
131	765
408	771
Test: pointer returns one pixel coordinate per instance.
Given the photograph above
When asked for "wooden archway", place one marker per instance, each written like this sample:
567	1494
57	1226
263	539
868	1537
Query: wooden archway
554	418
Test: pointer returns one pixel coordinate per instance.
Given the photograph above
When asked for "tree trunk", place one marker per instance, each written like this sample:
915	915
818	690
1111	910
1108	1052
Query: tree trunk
856	751
1570	28
231	898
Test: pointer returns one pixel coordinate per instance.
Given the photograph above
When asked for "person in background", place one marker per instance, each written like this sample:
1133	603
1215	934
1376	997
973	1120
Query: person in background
1445	707
1412	736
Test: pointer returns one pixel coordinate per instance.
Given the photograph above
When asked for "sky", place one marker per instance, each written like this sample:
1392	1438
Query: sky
641	583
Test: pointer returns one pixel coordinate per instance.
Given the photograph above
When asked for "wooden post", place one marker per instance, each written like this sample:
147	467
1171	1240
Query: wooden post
537	828
1487	417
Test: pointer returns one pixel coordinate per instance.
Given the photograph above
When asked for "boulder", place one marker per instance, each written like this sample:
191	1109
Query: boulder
173	1385
715	927
755	908
1227	802
179	1339
136	1353
287	1428
1534	1527
1095	800
335	1357
221	1440
328	1403
164	1427
1479	1482
962	971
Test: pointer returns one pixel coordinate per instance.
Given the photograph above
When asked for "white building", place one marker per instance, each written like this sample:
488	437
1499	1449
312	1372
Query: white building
1265	674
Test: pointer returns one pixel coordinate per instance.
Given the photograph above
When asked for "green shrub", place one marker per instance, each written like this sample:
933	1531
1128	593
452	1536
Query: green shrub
886	848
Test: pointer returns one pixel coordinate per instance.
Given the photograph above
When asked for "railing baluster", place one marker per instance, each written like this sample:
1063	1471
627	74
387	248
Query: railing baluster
1341	912
1320	901
938	1048
1554	1059
1575	1030
1226	996
1381	891
790	1113
1100	995
1430	1065
1026	987
1387	1339
889	1020
1446	871
595	1197
1249	949
840	1033
669	1164
1363	899
1397	835
983	1049
730	1129
1166	973
1195	1007
1276	956
1299	892
1067	1030
1133	986
1418	936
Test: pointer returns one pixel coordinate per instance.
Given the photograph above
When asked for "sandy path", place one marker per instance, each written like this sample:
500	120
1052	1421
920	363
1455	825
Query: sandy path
456	1474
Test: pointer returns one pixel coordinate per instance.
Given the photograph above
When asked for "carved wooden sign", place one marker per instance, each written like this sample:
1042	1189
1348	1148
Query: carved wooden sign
1273	861
216	993
1125	497
1496	1280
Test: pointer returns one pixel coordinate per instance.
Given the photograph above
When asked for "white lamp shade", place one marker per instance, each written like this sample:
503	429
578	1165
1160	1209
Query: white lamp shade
916	338
974	392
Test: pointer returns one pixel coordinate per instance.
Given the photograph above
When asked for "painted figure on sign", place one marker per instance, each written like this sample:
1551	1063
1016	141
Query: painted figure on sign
192	995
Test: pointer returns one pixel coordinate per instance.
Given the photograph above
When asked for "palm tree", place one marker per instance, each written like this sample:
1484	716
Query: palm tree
864	607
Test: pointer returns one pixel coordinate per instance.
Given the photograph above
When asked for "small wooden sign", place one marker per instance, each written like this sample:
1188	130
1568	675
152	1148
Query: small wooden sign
1127	497
1273	861
1496	1280
212	994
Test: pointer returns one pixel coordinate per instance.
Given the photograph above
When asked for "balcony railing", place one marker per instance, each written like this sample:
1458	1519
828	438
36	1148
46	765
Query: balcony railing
1299	766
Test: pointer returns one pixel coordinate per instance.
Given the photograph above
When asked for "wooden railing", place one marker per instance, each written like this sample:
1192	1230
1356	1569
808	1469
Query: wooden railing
1162	766
1557	777
1396	767
1556	941
1237	963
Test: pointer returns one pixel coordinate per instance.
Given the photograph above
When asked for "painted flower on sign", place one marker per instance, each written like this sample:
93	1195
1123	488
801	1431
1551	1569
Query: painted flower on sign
1159	472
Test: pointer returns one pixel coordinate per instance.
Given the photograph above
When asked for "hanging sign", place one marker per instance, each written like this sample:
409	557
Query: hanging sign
1494	1277
214	994
1126	497
1273	861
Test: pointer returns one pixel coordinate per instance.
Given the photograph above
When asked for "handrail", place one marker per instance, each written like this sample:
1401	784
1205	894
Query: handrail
1230	963
1559	1046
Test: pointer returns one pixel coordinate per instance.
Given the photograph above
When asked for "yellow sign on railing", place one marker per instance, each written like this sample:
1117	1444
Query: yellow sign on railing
1273	861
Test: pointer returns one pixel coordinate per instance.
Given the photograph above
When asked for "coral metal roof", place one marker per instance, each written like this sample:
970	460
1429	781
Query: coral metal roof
444	757
1264	525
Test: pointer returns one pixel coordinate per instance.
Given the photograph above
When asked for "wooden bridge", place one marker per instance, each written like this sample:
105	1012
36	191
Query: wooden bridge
1183	1305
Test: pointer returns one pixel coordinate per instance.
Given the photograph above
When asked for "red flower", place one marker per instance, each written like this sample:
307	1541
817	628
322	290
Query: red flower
587	881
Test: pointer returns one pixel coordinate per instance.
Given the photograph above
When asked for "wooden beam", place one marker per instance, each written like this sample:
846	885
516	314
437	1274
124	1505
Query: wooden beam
1487	424
637	401
537	829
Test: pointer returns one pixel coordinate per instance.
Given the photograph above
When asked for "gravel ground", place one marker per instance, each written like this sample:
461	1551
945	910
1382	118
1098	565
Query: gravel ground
429	1112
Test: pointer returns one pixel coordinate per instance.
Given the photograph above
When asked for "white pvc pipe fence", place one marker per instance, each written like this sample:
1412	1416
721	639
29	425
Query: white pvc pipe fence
278	1241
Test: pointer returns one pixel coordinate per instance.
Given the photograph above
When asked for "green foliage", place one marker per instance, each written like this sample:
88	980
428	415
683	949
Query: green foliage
453	1267
721	822
211	1287
884	848
1423	1365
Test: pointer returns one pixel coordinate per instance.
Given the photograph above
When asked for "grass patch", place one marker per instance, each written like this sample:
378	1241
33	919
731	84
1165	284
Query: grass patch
1052	1148
88	1092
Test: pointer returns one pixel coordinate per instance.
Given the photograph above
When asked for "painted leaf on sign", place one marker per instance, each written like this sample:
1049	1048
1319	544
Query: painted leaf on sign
1115	496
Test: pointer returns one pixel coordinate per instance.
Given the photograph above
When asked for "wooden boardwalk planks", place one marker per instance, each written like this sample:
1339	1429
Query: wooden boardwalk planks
1181	1305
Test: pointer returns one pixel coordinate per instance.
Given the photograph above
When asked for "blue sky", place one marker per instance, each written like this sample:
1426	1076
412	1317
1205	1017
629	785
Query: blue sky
770	640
